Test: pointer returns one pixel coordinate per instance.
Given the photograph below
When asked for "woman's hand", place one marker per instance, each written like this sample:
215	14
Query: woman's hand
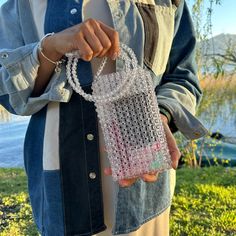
171	142
152	177
91	38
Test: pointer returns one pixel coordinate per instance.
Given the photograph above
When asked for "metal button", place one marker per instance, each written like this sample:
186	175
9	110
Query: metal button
197	134
4	55
73	11
90	137
92	175
77	1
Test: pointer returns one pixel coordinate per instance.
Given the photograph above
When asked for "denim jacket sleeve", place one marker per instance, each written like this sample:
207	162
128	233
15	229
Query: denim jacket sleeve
18	68
179	92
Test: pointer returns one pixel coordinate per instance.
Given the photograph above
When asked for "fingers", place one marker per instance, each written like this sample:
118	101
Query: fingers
114	38
85	51
123	182
151	177
172	145
107	171
175	156
127	182
99	38
103	38
90	38
94	43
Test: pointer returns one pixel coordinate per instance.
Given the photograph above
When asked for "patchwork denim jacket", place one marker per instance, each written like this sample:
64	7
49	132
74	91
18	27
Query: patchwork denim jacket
65	199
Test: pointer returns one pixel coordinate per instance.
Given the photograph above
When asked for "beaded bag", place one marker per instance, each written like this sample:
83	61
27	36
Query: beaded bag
127	109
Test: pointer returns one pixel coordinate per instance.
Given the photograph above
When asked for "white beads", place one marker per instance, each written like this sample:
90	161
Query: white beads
128	112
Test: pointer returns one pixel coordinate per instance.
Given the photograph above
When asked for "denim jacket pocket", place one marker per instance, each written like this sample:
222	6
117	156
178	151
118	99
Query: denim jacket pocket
156	19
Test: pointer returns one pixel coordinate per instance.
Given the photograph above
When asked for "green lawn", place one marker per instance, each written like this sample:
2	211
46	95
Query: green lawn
204	203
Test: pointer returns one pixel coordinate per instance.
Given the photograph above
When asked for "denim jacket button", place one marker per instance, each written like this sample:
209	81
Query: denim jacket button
90	137
197	134
73	11
4	56
77	1
92	175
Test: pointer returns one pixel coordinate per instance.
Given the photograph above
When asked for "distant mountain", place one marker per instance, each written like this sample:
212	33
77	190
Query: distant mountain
217	44
211	63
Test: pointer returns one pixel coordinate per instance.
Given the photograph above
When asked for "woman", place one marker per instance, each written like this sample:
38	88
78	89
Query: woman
69	193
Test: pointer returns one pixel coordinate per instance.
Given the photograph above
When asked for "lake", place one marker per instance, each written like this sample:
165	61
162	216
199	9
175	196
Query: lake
12	137
12	140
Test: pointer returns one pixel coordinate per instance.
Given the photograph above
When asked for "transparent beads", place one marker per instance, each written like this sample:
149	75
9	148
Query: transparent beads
130	119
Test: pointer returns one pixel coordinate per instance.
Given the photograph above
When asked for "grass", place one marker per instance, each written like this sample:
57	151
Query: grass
204	203
15	211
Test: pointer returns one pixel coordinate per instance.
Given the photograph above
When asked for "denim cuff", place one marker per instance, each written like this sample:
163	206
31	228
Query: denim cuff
11	57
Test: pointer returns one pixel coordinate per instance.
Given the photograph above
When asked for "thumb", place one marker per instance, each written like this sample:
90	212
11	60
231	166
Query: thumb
107	171
172	145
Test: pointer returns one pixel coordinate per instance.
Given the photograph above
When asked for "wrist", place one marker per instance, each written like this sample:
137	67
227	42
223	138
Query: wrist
48	48
48	54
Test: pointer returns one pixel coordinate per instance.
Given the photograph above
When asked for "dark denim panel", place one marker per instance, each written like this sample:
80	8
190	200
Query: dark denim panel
58	16
53	208
78	157
4	101
148	14
90	126
82	197
33	154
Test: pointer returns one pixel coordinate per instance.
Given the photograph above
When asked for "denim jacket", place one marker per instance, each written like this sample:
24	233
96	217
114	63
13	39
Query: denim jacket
65	200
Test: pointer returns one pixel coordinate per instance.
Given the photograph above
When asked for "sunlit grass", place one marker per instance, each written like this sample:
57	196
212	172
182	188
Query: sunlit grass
204	203
15	210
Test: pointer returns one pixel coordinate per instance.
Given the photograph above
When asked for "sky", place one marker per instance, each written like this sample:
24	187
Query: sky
223	18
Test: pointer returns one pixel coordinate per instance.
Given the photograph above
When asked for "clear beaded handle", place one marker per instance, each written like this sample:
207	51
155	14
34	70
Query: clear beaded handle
126	54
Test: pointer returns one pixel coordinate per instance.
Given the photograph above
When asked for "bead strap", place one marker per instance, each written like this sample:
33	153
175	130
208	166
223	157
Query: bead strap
130	59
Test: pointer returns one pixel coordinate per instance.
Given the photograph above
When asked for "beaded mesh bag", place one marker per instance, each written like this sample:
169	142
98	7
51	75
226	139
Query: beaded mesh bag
127	109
